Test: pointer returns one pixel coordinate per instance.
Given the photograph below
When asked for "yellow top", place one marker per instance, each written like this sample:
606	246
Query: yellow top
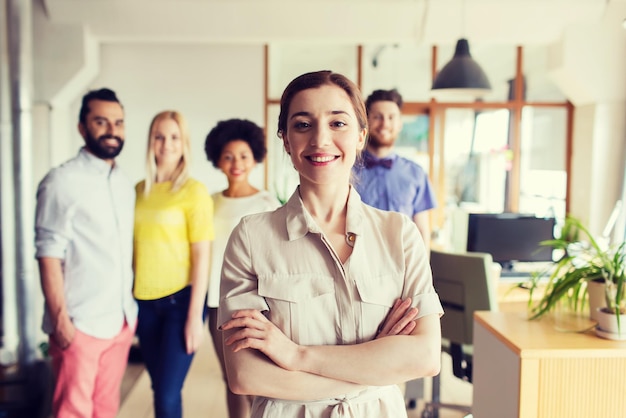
166	224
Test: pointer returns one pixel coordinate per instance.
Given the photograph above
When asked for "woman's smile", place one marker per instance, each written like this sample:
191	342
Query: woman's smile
322	159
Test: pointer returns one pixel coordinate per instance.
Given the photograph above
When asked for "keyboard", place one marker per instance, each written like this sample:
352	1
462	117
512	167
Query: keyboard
523	271
514	273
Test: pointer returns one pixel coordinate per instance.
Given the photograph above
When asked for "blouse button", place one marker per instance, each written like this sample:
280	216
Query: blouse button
350	238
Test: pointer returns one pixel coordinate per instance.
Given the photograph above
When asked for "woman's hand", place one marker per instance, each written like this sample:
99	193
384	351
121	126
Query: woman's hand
400	320
255	331
194	333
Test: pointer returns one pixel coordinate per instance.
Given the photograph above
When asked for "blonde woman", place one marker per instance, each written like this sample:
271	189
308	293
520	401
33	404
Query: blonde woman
173	230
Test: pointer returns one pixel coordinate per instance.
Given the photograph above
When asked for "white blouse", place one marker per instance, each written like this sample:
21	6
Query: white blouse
228	211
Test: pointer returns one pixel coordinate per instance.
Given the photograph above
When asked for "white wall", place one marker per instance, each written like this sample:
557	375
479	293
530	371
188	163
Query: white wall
207	83
598	162
589	66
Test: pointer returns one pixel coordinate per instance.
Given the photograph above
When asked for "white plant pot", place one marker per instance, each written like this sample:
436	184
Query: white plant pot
597	298
607	325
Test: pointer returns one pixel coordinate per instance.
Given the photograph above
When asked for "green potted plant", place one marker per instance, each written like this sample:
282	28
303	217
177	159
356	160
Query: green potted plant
583	260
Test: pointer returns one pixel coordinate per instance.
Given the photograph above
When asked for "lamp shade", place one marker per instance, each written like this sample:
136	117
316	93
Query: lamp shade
462	75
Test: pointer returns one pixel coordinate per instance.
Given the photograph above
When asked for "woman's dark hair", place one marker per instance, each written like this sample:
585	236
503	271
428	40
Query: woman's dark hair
234	129
103	94
383	96
314	80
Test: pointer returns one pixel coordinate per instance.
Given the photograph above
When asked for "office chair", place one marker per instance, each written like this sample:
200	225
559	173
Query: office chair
464	284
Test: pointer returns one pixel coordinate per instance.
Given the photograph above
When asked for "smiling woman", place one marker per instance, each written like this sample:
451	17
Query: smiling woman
319	286
323	136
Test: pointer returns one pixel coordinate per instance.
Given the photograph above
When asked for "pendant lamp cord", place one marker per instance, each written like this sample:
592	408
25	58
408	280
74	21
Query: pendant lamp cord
463	20
424	20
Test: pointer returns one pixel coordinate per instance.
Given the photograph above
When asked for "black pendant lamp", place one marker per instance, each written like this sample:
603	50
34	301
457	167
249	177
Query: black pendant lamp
462	76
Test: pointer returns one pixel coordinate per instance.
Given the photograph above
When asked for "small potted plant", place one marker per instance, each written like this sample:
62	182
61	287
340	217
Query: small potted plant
583	260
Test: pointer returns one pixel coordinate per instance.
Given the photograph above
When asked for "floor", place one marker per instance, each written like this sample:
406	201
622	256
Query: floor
204	390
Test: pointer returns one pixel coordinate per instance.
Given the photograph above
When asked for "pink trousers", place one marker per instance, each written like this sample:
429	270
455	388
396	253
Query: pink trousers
88	375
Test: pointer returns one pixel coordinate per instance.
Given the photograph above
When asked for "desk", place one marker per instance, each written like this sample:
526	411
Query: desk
527	369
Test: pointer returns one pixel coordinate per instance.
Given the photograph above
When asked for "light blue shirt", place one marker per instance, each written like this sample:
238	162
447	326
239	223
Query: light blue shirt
85	212
403	188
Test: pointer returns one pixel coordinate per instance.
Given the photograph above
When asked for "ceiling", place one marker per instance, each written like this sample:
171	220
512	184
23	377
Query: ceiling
344	21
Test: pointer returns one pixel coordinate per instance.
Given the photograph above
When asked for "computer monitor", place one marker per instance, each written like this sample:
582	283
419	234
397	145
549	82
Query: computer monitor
510	237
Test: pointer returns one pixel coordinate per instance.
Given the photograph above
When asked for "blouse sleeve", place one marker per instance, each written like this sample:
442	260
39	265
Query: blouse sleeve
238	284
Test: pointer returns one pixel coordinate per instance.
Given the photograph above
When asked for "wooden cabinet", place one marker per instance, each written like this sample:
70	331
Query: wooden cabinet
528	369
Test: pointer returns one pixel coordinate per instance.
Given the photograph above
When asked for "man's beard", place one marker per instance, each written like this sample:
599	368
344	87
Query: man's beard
97	147
374	142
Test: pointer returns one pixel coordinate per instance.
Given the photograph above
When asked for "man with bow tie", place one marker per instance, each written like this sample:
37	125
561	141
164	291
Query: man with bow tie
386	180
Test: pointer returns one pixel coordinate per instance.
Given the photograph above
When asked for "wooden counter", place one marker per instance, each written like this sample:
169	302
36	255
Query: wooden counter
528	369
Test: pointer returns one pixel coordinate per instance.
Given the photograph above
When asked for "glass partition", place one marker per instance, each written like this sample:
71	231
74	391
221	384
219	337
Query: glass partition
543	175
476	158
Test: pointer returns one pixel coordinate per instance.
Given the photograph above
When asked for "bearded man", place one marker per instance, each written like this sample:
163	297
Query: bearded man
83	240
386	180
